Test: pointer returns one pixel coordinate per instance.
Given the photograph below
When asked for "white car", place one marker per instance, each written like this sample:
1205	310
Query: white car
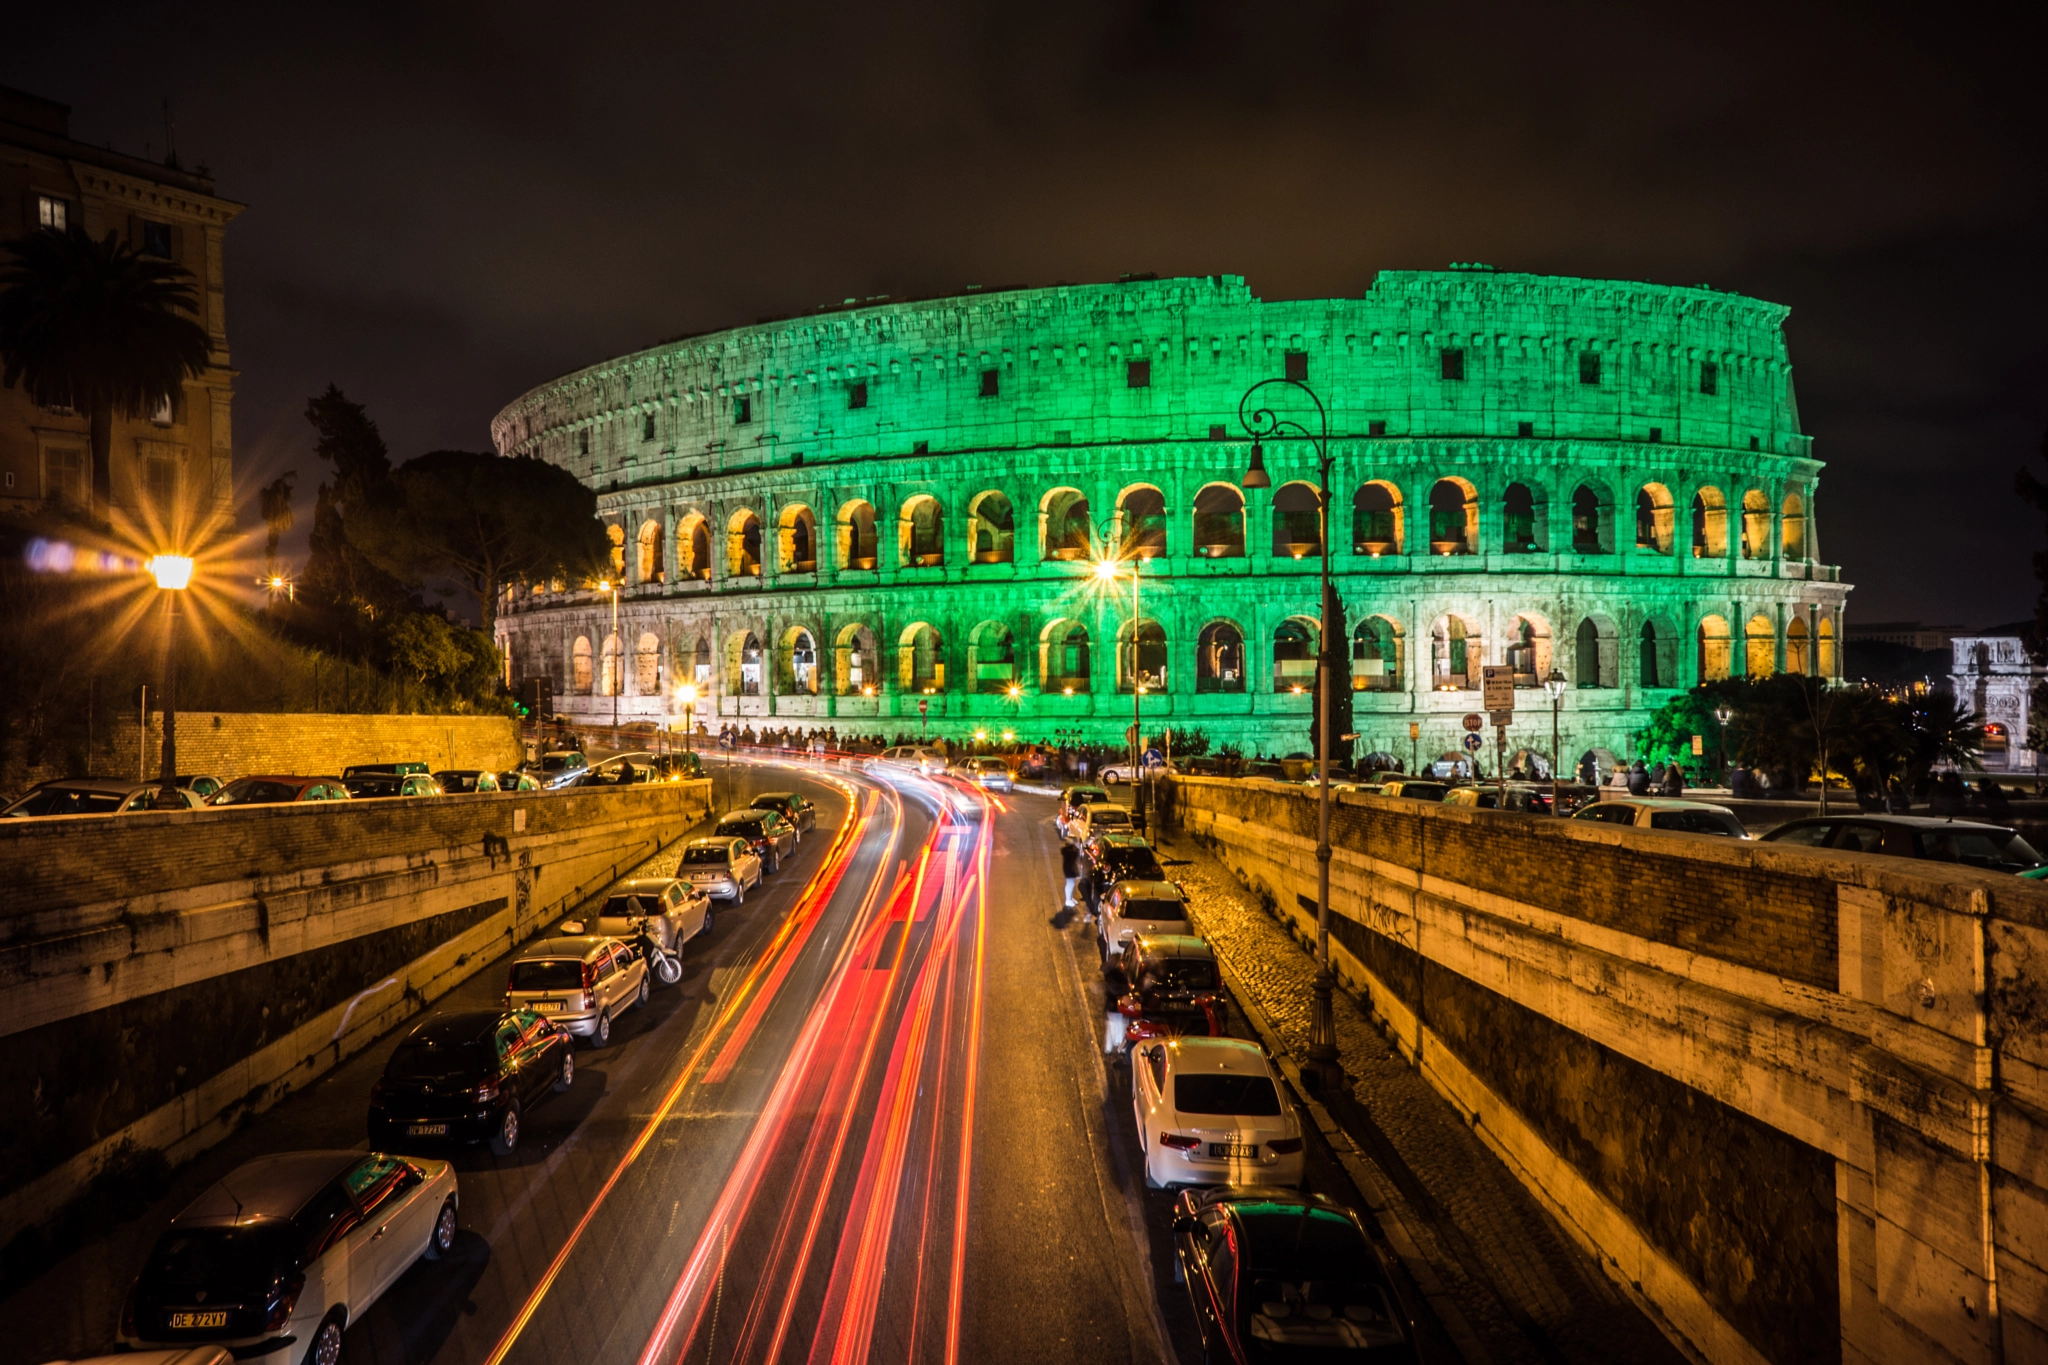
1097	818
915	758
1670	813
1133	908
721	865
1073	801
1210	1112
1121	772
277	1259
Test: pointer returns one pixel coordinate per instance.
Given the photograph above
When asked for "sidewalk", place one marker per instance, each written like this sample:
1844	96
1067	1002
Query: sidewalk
1524	1290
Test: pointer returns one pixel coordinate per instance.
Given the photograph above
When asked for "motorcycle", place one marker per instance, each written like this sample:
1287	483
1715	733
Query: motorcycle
666	966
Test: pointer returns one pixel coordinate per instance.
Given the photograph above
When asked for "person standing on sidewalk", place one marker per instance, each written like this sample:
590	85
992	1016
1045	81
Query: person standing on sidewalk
1070	868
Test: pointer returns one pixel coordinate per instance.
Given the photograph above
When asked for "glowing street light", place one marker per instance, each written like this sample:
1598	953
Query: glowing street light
173	574
1555	686
686	693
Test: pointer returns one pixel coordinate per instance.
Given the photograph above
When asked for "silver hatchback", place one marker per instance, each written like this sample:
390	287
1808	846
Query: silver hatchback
578	983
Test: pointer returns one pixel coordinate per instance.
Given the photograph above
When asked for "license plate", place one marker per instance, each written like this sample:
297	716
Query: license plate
183	1321
544	1006
428	1130
1232	1150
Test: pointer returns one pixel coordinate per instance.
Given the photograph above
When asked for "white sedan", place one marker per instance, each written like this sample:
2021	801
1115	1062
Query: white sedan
1210	1113
1113	773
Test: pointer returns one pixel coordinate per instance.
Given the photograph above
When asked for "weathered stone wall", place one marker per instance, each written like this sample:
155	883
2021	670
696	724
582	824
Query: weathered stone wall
1793	1099
228	745
165	974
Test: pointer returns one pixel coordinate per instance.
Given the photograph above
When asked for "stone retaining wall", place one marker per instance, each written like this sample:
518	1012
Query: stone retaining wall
229	744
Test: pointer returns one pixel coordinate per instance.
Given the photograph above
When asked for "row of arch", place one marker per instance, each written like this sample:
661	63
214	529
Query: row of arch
1066	529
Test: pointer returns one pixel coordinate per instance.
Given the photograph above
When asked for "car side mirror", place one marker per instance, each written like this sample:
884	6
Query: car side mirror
572	926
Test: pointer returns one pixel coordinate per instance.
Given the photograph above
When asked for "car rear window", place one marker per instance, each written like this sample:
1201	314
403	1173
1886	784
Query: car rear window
69	801
226	1263
1181	974
708	855
1980	846
437	1061
1696	822
1225	1093
622	907
1145	907
1133	865
548	974
249	791
1109	815
745	829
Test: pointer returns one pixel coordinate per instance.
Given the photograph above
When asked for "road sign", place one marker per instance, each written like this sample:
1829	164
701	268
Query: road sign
1473	741
1699	746
1415	729
1501	718
726	740
1497	687
924	706
1474	722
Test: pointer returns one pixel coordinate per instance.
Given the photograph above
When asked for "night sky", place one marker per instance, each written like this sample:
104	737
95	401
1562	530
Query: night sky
450	203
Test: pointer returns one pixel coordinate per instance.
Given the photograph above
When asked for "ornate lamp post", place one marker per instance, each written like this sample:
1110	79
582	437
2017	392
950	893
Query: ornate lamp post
1724	713
173	575
1263	422
1554	685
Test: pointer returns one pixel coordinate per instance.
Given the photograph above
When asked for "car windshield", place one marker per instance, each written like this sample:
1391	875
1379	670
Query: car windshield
1132	865
1087	797
1314	1289
227	1263
745	829
68	801
438	1061
554	763
705	855
1980	846
455	783
1223	1092
1180	974
548	974
1148	907
1109	815
254	791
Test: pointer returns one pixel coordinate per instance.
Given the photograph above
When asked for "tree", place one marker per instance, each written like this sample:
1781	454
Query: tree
1941	729
344	597
447	660
98	327
274	500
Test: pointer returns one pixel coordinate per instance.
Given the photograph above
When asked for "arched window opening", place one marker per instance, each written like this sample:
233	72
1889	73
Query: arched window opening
856	655
796	664
652	570
743	544
1521	529
991	529
1063	660
693	548
1590	534
1653	519
1594	654
1792	527
579	666
1796	660
1760	647
1141	523
1825	640
612	679
1756	525
796	535
1219	522
743	664
1219	658
992	657
647	665
700	666
1376	520
1297	521
1716	649
1455	655
1065	530
920	660
922	537
1294	655
1377	664
1709	524
857	545
1650	660
617	536
1528	649
1143	651
1453	518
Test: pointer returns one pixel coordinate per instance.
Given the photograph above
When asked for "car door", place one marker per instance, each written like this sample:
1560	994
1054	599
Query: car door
607	974
690	917
540	1064
326	1224
392	1233
1148	1084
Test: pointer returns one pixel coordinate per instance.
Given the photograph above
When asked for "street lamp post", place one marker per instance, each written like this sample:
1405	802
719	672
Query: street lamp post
173	575
687	695
1263	422
1106	571
616	663
1724	713
1554	685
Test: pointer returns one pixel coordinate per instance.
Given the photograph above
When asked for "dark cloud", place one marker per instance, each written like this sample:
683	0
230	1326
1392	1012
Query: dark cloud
450	203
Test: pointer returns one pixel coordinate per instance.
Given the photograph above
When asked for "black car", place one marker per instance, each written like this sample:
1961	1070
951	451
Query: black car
1275	1275
466	1077
381	770
798	810
1995	848
772	837
1111	858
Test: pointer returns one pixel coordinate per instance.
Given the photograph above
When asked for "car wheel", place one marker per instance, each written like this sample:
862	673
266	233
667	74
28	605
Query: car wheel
603	1035
739	895
645	990
505	1141
568	1076
771	863
441	1240
704	930
326	1346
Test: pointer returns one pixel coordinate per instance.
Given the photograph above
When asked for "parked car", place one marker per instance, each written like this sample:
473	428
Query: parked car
1131	906
561	767
1113	857
1995	848
771	836
1210	1113
579	983
198	784
1274	1275
990	774
620	770
721	867
915	758
1669	813
1171	991
671	910
1102	817
518	780
469	1076
99	796
1416	788
376	786
1072	803
381	770
1532	798
278	790
1113	773
467	781
275	1260
677	767
800	811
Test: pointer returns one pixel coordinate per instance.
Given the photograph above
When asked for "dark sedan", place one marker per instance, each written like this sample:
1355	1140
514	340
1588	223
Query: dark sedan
1279	1276
771	837
1108	859
1995	848
798	810
468	1077
1173	985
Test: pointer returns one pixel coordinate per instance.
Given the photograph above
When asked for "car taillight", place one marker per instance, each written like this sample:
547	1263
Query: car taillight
589	1001
282	1305
1285	1146
1180	1142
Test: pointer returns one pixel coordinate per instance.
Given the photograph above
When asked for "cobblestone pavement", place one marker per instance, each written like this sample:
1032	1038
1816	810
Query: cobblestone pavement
1526	1291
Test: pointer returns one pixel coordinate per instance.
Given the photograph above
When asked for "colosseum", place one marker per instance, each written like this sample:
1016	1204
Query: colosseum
888	516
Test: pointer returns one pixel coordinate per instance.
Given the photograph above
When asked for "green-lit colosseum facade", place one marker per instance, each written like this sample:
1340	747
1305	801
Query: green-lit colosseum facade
840	518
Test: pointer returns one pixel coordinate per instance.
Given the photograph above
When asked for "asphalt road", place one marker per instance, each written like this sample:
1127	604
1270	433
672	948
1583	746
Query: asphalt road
872	1122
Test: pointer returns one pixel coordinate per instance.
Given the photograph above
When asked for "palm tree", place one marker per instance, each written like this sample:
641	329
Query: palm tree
97	327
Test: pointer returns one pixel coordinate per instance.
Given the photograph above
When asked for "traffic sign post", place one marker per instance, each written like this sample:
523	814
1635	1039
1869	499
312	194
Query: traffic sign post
1474	722
1472	743
1497	688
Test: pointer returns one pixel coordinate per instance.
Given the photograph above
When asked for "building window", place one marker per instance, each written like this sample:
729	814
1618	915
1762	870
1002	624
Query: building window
582	443
1138	374
989	383
1710	377
647	427
156	239
160	483
1453	361
65	474
743	409
857	394
1525	429
1656	435
1218	433
52	213
162	411
1755	443
1297	366
1589	367
1376	427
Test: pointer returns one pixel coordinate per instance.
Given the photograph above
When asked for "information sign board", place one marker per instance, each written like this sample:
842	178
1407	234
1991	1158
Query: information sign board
1497	687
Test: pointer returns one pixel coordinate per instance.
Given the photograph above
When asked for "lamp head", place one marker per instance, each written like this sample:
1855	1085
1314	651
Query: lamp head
686	694
1256	476
172	571
604	585
1105	569
1724	714
1554	684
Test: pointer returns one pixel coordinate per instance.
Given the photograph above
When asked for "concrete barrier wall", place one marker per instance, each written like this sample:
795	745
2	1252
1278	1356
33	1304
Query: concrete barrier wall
1794	1100
164	974
227	744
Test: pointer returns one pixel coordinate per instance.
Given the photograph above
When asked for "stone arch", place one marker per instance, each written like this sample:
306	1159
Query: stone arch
1653	519
1219	658
1527	649
693	547
1824	646
991	658
858	547
743	544
1756	525
1141	521
991	528
1064	663
1219	522
1760	647
1294	654
698	663
1453	517
1456	653
616	534
1065	530
579	666
651	567
1522	520
1595	650
1709	523
1716	649
920	658
796	662
1796	641
1592	521
796	539
1297	521
743	664
856	659
921	532
1376	519
612	668
1657	654
1792	527
1379	655
647	664
1141	648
